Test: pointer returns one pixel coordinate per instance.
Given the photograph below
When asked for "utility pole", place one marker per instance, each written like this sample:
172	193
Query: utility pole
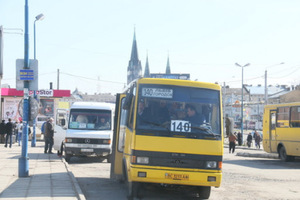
58	79
1	64
23	160
242	103
266	88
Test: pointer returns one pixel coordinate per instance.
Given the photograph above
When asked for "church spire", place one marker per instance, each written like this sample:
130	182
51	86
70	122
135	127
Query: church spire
168	69
147	70
134	69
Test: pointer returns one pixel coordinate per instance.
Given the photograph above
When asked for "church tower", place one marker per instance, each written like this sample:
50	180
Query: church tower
147	70
134	69
168	69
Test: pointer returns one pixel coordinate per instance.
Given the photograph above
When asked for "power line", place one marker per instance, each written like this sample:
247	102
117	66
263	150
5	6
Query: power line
93	79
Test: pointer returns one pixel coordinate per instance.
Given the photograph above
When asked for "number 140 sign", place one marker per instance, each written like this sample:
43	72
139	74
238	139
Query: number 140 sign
181	126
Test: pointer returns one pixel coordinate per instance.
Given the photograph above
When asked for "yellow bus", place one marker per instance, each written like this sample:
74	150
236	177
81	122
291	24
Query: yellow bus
281	130
168	132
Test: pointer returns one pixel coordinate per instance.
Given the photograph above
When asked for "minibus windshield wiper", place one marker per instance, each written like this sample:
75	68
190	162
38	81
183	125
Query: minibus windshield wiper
164	125
205	130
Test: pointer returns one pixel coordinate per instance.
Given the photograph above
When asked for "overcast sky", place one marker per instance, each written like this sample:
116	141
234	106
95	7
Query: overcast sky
90	41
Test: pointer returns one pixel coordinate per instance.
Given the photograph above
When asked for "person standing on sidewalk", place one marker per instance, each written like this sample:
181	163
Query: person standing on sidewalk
9	130
2	132
48	136
20	129
232	141
15	130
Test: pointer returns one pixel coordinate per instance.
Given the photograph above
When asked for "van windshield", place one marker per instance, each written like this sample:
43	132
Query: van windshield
88	119
173	111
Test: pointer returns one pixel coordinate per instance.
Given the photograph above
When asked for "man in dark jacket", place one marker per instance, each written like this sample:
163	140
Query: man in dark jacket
49	133
9	129
2	132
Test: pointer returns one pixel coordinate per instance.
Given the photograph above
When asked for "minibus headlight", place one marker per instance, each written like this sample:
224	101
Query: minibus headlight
211	164
68	140
142	160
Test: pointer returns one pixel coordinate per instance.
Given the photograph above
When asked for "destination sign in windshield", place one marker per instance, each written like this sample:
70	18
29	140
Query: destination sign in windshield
157	93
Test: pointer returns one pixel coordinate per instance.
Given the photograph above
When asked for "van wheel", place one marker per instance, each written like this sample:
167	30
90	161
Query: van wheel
59	153
283	156
67	156
204	192
108	158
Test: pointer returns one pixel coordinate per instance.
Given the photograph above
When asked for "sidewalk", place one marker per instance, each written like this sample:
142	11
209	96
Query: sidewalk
48	178
252	152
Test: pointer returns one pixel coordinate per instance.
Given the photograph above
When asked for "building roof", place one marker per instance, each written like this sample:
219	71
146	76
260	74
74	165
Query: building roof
272	90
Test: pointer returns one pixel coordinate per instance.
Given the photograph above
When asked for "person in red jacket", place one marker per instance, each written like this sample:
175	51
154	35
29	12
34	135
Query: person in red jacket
232	141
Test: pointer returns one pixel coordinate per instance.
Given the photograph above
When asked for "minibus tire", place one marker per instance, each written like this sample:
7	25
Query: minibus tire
204	192
133	188
283	156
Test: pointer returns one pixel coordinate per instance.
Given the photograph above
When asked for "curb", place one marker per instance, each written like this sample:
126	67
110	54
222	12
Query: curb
79	193
258	155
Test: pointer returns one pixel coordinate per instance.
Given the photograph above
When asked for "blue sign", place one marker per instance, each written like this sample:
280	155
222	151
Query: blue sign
26	75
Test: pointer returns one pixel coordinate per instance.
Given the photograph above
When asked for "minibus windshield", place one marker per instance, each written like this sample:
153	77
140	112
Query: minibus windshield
177	111
88	119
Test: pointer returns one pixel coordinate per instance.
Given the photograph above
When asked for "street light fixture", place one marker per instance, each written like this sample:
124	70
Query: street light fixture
242	103
37	18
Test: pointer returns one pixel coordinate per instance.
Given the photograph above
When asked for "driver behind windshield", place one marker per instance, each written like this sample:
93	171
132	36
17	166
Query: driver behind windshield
193	116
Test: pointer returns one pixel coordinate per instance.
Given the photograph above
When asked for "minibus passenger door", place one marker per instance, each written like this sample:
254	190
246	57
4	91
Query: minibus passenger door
116	171
272	130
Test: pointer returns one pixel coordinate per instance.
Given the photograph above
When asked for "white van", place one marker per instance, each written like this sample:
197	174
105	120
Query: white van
60	129
90	130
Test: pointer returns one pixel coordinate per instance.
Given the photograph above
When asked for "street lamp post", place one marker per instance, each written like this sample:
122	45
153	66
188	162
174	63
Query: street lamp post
266	84
242	103
37	18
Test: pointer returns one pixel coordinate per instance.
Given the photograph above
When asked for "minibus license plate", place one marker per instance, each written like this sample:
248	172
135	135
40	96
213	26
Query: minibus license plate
87	150
177	176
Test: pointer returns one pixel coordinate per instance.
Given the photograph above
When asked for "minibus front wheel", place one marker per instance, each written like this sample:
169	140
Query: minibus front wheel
133	189
204	192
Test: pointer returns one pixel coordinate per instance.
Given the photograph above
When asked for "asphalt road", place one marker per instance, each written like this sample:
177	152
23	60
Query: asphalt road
243	178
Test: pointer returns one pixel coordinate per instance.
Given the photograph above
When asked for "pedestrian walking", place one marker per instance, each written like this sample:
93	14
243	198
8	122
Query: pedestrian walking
15	130
48	136
2	132
239	138
9	130
20	129
249	140
232	141
257	140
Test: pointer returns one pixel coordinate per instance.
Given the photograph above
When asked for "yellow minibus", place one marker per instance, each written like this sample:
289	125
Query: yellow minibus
168	132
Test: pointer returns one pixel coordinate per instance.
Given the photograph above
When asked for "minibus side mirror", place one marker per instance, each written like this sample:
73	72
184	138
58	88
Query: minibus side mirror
127	102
